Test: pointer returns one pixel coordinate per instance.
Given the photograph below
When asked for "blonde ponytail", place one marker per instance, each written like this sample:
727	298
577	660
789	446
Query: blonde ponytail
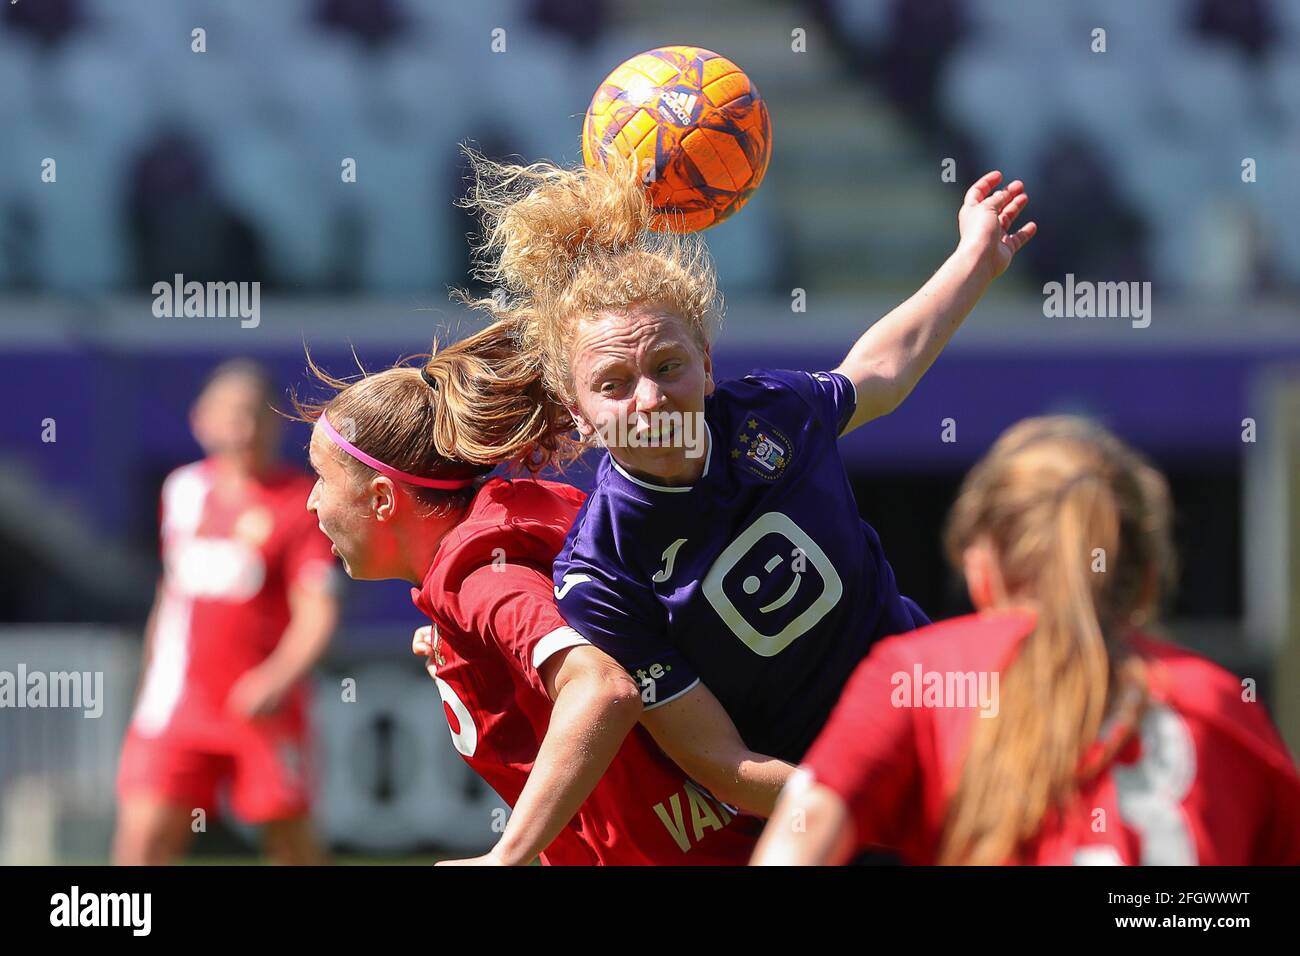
459	412
492	405
1078	523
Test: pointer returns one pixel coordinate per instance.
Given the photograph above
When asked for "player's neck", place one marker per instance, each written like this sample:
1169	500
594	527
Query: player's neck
690	469
417	548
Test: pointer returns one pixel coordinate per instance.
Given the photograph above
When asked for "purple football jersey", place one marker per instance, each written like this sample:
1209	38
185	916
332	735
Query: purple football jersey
761	579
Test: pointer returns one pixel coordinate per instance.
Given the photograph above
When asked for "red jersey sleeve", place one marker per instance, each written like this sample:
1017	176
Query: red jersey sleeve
513	605
1278	843
1240	735
867	752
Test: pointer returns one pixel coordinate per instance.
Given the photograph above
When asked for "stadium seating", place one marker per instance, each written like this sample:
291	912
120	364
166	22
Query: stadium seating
278	134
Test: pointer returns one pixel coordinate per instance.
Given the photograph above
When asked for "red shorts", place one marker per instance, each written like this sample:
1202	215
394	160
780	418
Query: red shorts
267	769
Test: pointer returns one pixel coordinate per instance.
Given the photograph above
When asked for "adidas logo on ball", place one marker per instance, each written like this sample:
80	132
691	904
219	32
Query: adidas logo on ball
679	104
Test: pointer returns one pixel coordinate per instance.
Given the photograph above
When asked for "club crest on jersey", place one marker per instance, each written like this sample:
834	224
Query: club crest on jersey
761	448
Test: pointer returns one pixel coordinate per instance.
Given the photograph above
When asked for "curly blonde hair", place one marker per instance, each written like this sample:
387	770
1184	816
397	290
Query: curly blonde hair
564	245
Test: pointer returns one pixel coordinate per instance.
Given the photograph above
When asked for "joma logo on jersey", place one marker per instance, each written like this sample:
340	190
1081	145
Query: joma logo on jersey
678	106
569	581
705	815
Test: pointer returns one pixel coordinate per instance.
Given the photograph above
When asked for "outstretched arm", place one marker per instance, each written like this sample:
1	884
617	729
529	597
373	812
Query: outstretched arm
889	359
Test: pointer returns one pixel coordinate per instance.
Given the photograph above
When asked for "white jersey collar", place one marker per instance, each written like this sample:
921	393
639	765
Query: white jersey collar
708	460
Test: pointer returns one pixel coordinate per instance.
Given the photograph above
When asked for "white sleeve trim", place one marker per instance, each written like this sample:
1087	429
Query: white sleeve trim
554	642
666	700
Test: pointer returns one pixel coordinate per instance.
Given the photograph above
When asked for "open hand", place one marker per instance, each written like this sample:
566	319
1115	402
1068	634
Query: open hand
986	218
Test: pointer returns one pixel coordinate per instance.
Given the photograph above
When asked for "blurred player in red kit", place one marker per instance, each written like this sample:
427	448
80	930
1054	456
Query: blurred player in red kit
1047	728
244	609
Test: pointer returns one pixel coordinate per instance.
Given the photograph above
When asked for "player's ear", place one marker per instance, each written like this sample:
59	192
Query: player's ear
585	428
708	370
383	498
983	579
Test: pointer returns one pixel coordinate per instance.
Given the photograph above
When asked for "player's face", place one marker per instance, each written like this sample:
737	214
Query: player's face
639	380
232	420
339	503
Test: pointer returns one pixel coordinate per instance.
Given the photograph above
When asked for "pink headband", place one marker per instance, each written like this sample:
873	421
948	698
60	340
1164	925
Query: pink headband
389	470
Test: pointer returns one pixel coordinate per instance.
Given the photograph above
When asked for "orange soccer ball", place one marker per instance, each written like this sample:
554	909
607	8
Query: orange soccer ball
694	125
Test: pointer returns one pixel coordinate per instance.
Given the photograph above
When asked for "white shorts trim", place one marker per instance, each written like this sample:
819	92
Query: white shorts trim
660	703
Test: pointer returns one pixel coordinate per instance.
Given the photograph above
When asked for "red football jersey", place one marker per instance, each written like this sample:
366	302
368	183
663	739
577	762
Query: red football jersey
1206	780
492	603
229	561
